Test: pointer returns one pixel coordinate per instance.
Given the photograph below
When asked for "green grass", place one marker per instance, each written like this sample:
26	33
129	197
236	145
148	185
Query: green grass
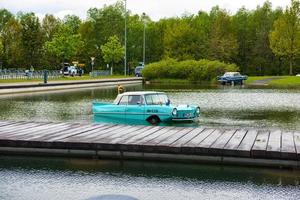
251	79
66	78
286	81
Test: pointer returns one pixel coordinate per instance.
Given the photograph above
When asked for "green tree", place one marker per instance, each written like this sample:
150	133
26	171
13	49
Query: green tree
223	43
50	25
262	59
107	21
5	16
11	40
73	22
180	40
64	44
113	51
1	48
32	39
90	47
285	38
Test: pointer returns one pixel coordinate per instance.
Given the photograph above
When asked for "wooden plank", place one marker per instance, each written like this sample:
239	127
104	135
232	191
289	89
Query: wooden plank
34	135
98	134
204	146
135	139
260	145
244	149
7	123
70	133
297	143
70	130
187	137
161	138
218	146
274	144
89	135
160	132
131	135
109	133
209	141
175	137
230	149
26	130
18	127
288	150
117	134
22	134
199	138
137	143
223	139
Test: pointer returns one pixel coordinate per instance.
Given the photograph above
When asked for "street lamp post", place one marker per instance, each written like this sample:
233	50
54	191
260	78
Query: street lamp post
125	45
144	39
92	59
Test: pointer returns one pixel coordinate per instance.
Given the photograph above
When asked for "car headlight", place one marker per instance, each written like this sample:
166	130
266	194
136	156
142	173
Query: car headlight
174	112
198	111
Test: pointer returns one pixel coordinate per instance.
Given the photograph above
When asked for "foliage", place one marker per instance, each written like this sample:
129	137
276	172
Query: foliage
113	52
223	42
201	70
31	39
64	44
285	38
73	22
243	38
11	39
50	26
1	47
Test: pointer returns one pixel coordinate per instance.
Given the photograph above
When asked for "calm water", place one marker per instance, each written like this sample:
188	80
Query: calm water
48	178
220	107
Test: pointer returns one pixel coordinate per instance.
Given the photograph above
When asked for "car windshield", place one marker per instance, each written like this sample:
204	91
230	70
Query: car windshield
138	69
156	99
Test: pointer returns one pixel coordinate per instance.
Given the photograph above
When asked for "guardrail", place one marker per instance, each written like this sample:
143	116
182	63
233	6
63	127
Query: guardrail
100	73
25	74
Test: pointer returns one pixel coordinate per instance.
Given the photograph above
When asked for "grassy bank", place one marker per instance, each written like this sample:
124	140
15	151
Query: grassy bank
286	81
278	81
252	79
64	78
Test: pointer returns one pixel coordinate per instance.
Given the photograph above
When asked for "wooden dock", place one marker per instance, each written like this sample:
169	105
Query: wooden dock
180	144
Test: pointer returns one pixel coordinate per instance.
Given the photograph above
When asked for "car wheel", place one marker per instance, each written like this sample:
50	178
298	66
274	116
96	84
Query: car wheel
153	120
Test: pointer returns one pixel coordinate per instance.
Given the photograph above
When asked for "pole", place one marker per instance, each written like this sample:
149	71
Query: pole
125	45
144	44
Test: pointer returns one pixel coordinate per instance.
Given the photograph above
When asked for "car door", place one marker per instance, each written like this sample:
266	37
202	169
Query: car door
119	110
135	109
155	106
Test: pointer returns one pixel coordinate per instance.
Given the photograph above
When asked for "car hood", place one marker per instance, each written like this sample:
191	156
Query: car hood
185	107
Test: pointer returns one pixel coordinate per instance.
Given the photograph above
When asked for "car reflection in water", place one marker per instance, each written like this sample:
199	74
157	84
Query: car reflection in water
112	197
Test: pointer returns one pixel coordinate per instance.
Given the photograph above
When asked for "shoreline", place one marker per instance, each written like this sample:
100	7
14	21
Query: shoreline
13	88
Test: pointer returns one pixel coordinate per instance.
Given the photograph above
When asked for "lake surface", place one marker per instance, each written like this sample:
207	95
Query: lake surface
220	106
48	178
76	179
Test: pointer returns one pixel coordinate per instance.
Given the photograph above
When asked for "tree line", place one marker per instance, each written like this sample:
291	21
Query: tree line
263	41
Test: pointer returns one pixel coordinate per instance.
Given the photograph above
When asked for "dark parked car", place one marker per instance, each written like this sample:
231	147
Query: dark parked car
232	78
138	71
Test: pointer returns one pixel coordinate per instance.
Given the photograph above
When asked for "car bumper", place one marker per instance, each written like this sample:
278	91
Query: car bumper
185	119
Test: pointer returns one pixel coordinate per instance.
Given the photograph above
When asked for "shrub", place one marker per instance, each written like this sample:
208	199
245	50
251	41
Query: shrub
201	70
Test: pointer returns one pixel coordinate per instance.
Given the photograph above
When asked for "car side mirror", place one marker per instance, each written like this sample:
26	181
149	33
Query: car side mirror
168	102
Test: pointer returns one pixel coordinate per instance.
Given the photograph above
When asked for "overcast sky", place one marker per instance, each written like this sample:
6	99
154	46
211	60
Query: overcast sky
156	9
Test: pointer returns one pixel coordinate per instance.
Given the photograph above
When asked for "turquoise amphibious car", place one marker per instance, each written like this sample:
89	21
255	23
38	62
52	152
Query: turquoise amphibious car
153	107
